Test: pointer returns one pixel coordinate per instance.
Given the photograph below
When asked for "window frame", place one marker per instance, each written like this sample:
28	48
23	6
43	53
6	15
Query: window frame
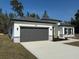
68	31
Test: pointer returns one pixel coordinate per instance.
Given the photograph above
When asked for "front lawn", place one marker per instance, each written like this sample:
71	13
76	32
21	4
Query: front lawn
10	50
73	43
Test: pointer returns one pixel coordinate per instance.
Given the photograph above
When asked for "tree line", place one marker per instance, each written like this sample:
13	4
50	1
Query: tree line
75	21
17	7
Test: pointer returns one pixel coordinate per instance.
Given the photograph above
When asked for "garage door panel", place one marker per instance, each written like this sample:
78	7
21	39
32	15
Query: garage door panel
33	34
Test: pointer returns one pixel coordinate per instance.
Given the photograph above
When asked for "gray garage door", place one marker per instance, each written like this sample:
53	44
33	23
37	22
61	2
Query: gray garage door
33	34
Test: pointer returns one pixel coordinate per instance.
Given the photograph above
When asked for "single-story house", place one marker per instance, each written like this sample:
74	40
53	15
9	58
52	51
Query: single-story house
26	29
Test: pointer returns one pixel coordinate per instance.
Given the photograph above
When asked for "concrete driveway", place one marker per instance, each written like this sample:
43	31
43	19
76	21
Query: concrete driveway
52	50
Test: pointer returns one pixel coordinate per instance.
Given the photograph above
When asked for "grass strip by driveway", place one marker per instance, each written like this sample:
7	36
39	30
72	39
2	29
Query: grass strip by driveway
10	50
76	43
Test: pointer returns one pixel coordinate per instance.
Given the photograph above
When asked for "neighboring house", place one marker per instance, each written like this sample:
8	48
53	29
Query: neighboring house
26	29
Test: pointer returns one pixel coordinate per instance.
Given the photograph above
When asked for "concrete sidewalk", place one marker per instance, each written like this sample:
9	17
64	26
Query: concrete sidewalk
52	50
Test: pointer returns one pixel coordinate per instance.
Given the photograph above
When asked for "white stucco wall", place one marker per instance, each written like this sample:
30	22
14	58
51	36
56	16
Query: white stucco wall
17	25
61	31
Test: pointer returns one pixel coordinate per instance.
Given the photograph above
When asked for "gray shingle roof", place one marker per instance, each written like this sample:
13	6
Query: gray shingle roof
31	19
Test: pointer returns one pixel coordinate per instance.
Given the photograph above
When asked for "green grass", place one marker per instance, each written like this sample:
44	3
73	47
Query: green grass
10	50
73	43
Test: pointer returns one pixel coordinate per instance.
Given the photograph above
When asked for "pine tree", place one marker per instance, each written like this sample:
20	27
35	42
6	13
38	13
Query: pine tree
77	18
37	16
45	15
4	22
33	15
28	14
12	15
75	21
17	7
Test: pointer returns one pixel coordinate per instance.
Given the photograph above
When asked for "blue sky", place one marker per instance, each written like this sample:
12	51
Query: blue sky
57	9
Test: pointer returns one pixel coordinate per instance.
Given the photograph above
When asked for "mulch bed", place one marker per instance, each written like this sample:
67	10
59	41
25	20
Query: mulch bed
73	43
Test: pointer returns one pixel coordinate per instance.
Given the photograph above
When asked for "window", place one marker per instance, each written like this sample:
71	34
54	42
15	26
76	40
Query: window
68	31
65	31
